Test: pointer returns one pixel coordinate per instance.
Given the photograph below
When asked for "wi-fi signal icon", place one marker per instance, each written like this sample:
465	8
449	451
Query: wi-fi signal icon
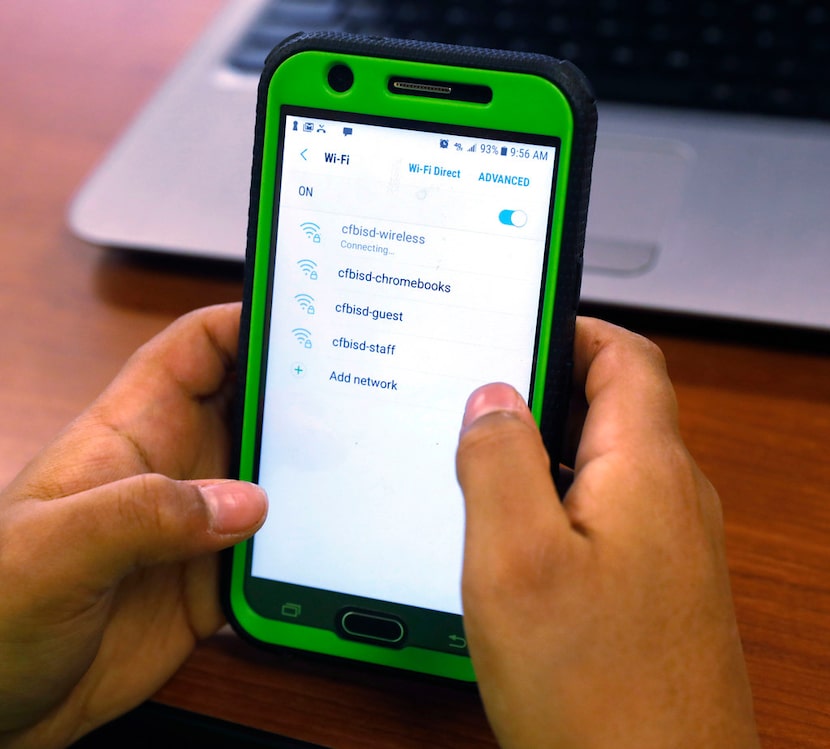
303	336
308	267
306	302
312	231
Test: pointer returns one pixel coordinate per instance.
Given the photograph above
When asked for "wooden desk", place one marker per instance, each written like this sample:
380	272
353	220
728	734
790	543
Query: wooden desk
757	417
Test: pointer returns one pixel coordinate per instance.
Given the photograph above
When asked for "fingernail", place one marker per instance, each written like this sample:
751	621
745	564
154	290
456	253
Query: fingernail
234	506
487	399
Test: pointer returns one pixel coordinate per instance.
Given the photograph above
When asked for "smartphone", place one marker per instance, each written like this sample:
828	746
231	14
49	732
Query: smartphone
416	230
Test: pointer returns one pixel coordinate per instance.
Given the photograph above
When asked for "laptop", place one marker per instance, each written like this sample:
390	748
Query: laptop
711	188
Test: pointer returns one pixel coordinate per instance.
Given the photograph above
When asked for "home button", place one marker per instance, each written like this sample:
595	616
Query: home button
371	626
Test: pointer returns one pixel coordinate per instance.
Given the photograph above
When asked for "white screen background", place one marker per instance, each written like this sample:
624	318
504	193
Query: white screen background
361	415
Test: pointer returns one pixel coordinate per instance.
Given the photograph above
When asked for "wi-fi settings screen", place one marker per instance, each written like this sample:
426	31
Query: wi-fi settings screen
407	273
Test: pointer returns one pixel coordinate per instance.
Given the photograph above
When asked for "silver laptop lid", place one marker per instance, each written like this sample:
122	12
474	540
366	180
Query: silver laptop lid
706	212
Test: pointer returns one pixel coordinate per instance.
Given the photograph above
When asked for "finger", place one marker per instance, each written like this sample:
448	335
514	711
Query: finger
512	508
501	455
170	402
103	534
631	402
194	354
166	412
632	469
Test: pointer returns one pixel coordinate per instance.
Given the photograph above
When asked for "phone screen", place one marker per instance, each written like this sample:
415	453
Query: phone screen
409	268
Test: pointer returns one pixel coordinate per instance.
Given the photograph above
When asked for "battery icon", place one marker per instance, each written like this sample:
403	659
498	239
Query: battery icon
504	150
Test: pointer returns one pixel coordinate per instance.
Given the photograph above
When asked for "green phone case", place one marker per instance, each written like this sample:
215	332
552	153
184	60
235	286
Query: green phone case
293	75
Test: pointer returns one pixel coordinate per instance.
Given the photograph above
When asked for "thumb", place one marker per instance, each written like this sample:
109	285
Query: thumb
502	465
513	510
150	519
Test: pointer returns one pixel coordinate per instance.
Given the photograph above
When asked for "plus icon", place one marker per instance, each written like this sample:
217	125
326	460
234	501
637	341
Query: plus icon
298	370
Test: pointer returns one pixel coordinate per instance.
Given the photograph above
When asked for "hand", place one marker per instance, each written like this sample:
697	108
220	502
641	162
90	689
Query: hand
605	620
107	539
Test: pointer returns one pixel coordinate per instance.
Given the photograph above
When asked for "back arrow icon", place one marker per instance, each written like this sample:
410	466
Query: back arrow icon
302	153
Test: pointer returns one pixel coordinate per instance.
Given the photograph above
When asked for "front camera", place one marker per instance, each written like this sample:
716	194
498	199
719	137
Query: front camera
341	78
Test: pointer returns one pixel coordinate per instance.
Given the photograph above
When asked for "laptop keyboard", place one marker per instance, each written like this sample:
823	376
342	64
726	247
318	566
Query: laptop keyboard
762	56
